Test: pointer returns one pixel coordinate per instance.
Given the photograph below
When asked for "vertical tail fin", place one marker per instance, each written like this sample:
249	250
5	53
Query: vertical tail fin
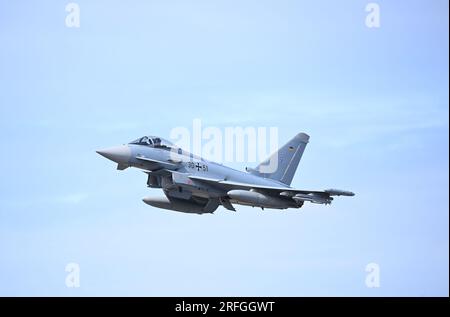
288	157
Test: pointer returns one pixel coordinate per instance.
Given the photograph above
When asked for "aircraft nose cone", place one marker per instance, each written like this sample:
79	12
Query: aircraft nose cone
118	154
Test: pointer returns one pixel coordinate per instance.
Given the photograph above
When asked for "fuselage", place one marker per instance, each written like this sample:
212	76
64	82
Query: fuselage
195	185
195	165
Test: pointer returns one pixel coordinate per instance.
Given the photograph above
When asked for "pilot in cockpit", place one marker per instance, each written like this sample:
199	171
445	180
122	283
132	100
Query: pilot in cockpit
155	142
146	140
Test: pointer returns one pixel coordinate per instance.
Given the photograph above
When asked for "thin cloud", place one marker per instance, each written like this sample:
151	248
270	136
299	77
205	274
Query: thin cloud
71	199
62	199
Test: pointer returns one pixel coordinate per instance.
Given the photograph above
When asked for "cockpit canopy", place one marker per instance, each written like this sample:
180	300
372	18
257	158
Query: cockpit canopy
153	141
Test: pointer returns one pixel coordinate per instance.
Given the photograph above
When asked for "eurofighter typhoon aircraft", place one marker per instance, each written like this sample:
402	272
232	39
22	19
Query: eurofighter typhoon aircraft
192	184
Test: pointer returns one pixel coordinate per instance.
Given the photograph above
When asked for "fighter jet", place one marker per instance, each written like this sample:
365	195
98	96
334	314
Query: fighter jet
192	184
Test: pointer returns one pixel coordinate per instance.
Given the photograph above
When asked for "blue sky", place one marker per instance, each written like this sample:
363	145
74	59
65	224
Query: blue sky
375	102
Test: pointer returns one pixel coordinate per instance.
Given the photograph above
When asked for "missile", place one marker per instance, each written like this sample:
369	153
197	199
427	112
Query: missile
313	198
338	192
255	199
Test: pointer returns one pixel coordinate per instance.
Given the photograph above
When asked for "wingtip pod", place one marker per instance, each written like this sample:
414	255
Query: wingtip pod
338	192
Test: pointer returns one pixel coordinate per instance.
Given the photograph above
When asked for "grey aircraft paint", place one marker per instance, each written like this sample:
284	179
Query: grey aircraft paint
192	184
